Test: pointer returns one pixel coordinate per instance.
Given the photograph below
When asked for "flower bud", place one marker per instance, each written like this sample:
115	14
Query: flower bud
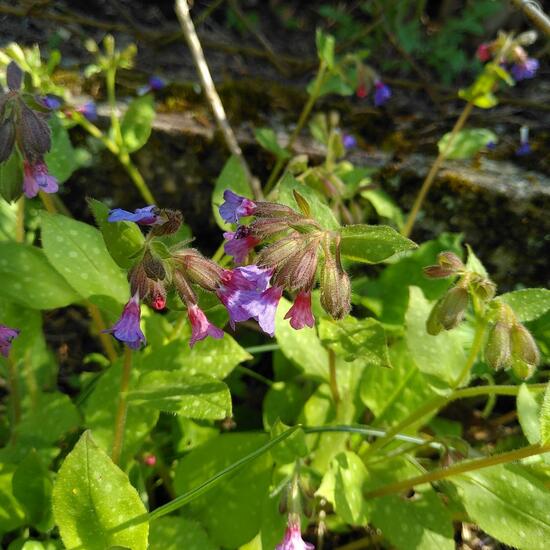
335	287
7	139
433	324
276	254
33	134
298	271
484	288
173	222
14	76
198	269
524	351
157	295
448	264
139	282
183	288
497	347
153	267
453	307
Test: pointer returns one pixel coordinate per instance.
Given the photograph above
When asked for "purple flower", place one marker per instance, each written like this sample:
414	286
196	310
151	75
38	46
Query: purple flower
36	178
349	141
201	327
293	538
525	69
263	308
524	148
7	334
300	314
239	243
88	110
382	93
51	102
127	328
155	83
149	215
235	207
491	145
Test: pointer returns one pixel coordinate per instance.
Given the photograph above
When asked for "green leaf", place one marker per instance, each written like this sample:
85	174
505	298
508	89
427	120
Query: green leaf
302	347
137	121
177	533
267	138
528	407
200	396
8	219
292	448
354	339
30	280
124	240
529	303
440	357
325	47
61	159
545	418
509	503
320	211
92	496
100	410
232	514
32	487
78	252
466	143
12	515
11	178
372	243
384	205
473	263
213	357
350	475
231	177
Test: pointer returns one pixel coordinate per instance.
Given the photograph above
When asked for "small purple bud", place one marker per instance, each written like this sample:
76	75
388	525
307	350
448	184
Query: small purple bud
235	207
300	313
88	110
349	141
522	70
14	76
156	83
7	334
36	178
239	244
127	328
491	145
149	215
382	92
51	102
201	327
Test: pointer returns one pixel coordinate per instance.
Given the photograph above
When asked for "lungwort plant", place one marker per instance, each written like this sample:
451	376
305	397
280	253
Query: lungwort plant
280	392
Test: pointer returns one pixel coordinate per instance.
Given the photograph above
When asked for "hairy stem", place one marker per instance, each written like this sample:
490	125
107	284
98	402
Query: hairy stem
99	324
122	409
20	220
461	468
304	115
15	397
427	183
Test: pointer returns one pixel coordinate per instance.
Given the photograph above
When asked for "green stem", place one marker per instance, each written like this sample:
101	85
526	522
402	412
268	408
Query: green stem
332	377
136	177
461	468
110	77
122	409
255	375
20	220
15	397
262	349
427	183
299	125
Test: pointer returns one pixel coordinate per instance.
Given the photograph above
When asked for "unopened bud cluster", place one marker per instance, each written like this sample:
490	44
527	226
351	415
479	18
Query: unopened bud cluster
509	344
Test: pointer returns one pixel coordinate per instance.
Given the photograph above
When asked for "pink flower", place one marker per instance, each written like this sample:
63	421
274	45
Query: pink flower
483	52
36	178
7	334
201	327
300	314
127	328
239	243
293	538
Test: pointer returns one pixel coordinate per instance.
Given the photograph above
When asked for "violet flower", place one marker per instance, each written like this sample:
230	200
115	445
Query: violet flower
349	141
36	178
149	215
300	313
88	110
51	102
155	84
382	92
235	207
263	308
239	243
7	334
127	328
293	538
522	70
201	327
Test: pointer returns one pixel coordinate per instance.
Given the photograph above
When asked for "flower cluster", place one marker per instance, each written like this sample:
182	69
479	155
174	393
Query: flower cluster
510	53
7	335
27	128
367	80
292	257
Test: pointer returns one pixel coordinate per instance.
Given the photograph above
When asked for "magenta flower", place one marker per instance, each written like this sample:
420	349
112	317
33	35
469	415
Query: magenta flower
361	92
201	327
149	215
293	538
525	69
239	243
88	110
483	52
300	313
235	207
7	334
127	328
382	93
36	178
